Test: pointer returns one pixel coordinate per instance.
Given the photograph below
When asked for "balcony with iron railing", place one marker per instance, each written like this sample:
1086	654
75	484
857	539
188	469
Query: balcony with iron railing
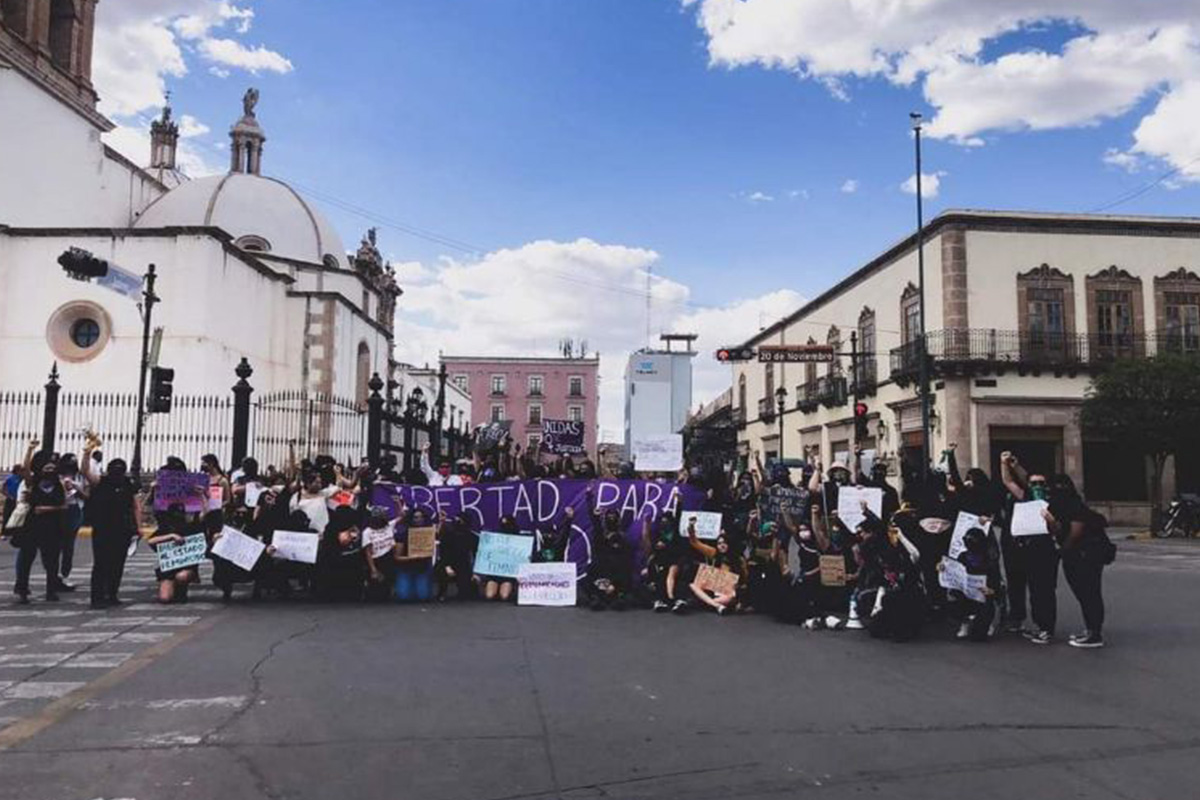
806	397
987	350
766	409
832	391
864	377
738	414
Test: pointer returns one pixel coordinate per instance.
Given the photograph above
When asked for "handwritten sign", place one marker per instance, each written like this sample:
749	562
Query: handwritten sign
717	581
774	500
833	571
953	575
296	546
1027	518
658	453
421	542
501	555
380	541
546	584
216	498
708	524
962	524
488	437
253	492
238	548
562	436
187	553
850	504
173	487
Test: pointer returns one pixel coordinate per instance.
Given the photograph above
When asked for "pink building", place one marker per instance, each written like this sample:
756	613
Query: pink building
529	390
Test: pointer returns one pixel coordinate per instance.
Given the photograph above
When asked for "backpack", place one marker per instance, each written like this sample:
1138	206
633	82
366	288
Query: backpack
1096	541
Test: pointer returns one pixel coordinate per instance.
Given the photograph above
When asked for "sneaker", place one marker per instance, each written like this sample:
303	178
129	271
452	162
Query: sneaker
834	623
64	586
964	631
1088	643
854	624
1039	637
679	607
814	624
722	610
1080	635
660	605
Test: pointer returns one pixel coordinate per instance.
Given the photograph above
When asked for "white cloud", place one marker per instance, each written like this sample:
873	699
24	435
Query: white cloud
1116	54
850	186
931	184
231	53
190	127
1122	159
798	194
755	197
133	141
523	300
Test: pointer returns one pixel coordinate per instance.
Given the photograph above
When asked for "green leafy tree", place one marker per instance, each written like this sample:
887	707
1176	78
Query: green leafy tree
1150	408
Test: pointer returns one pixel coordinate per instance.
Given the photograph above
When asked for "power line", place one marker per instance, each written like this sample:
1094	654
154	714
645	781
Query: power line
1141	190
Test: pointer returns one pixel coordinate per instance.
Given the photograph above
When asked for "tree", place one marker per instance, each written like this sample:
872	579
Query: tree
1149	407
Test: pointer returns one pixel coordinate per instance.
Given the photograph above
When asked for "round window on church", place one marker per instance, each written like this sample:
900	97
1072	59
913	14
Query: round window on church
85	332
78	331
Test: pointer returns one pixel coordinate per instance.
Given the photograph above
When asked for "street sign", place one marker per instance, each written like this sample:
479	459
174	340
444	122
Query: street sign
794	353
122	282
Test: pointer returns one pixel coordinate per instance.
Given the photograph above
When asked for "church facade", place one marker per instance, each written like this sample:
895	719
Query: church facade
246	267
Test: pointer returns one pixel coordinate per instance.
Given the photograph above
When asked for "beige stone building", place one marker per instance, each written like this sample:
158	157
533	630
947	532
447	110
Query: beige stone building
1021	310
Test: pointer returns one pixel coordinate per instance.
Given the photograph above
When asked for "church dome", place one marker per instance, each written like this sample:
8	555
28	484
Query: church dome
261	214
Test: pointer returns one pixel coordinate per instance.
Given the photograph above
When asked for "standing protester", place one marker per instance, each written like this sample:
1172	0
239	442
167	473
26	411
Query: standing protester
1086	550
112	509
46	499
1035	557
442	476
666	554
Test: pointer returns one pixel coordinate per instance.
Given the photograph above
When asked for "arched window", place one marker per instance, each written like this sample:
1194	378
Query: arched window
810	370
252	244
742	392
864	370
769	384
64	31
362	374
834	340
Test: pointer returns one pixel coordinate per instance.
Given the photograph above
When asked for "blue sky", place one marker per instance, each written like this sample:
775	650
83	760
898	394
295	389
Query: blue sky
708	136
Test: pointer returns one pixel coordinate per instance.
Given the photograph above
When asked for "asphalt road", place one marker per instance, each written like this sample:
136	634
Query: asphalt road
487	701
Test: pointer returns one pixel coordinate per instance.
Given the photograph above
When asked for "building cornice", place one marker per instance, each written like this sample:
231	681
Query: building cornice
557	362
341	298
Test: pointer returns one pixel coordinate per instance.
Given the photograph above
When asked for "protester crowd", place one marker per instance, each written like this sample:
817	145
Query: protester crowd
786	546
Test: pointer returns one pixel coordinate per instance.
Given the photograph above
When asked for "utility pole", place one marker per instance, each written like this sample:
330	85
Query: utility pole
148	299
922	341
854	379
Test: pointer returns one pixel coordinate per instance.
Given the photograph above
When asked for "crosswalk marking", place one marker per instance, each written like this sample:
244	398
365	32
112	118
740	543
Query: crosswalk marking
81	638
40	690
96	661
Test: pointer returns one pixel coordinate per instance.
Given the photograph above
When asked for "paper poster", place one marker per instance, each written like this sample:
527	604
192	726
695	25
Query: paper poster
833	571
774	500
187	553
501	554
962	524
173	487
380	541
488	437
1027	518
708	524
546	584
562	437
253	492
658	453
953	575
297	546
715	580
238	548
849	505
421	542
216	498
866	461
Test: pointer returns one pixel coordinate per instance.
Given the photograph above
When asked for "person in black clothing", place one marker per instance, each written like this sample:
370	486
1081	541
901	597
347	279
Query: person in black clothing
113	512
341	570
42	532
1085	549
981	556
173	527
666	553
889	594
551	543
1034	559
455	557
799	557
610	575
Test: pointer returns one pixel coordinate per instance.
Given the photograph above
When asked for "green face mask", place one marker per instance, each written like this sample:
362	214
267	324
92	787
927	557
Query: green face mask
1038	492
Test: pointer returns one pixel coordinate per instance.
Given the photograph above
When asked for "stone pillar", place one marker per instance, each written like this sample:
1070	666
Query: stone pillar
954	279
375	421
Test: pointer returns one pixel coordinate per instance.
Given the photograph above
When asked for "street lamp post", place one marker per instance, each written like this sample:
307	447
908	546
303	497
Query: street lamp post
781	402
148	299
922	348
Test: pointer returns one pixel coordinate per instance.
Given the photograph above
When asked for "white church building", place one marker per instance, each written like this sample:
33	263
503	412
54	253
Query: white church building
247	268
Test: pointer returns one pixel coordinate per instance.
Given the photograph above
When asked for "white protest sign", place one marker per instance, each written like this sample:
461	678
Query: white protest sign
708	524
253	492
500	555
187	553
953	575
867	462
962	524
1027	518
381	541
850	504
299	546
546	584
658	453
238	548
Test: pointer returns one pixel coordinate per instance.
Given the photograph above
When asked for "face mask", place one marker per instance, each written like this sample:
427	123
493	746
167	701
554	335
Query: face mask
1038	492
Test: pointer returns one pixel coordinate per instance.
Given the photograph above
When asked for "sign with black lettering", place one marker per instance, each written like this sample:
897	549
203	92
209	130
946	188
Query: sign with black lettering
794	353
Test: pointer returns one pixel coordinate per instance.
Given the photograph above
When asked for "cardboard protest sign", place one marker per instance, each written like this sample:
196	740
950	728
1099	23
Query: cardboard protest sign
173	487
708	524
1027	518
833	571
488	437
546	584
380	541
237	548
774	500
500	555
953	575
658	453
717	581
421	542
187	553
299	546
253	492
849	504
562	437
962	524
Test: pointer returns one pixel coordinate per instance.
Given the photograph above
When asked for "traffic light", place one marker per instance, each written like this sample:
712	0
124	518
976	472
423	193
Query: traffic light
729	355
82	265
161	390
860	421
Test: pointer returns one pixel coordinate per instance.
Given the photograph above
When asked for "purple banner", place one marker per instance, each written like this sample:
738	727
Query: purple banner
541	504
